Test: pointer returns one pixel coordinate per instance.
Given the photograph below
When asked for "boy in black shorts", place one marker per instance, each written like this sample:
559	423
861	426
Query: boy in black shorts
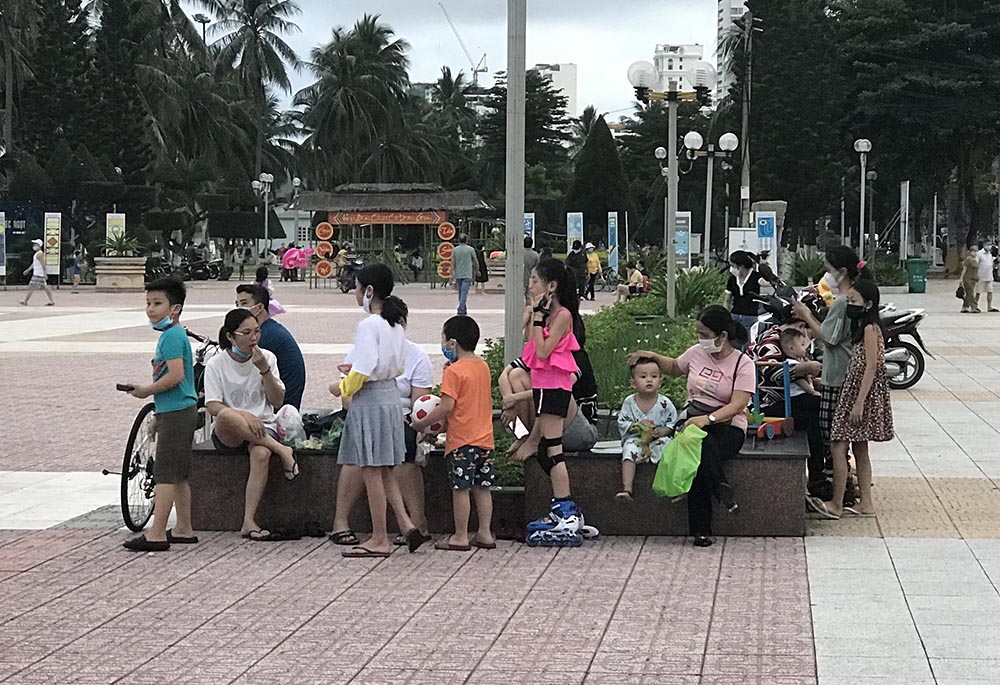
176	417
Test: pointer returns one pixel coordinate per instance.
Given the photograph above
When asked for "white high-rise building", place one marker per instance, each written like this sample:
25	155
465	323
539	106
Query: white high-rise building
672	63
564	80
728	11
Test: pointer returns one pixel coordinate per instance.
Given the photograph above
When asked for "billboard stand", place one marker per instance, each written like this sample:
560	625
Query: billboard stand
3	249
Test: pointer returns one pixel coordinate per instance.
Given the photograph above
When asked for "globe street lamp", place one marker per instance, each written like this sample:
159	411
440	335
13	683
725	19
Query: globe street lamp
863	146
262	186
642	76
727	143
204	21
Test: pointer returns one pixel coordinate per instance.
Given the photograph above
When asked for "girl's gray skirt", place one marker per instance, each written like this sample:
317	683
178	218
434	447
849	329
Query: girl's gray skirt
373	431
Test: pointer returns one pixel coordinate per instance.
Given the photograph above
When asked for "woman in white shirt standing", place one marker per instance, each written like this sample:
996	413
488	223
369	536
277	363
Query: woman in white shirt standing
242	390
373	435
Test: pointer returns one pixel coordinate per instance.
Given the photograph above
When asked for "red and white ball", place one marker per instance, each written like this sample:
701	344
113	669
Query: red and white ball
422	408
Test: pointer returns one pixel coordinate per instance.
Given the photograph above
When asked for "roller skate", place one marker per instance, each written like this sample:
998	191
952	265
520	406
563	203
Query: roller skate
560	528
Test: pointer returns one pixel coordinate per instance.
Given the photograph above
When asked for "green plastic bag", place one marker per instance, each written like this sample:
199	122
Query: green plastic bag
679	463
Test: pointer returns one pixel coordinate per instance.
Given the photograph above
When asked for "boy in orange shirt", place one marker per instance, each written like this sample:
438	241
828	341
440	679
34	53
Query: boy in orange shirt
467	405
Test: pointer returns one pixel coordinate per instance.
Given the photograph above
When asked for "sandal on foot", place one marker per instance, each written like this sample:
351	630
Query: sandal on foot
624	496
359	552
704	541
344	537
476	542
258	535
447	545
414	538
401	540
188	540
819	506
851	512
141	544
292	473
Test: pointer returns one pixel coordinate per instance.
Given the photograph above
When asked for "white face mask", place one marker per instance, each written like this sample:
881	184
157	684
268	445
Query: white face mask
366	303
831	281
735	271
708	344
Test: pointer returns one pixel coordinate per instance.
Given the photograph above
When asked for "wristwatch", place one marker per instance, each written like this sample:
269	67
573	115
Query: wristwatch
711	418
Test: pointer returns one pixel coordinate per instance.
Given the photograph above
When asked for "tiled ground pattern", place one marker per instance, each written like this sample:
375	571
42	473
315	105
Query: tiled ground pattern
74	607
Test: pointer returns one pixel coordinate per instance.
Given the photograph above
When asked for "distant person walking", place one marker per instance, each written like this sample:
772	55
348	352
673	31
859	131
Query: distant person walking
464	267
482	272
593	270
531	259
38	276
984	265
576	262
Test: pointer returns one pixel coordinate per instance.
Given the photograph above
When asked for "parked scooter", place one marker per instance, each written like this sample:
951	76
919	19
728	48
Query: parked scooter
349	275
904	361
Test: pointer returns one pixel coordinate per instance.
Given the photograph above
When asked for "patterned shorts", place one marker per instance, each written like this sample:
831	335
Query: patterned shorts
827	408
37	281
470	466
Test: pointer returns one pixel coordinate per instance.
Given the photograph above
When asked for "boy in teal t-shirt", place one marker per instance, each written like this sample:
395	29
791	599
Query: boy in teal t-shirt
176	417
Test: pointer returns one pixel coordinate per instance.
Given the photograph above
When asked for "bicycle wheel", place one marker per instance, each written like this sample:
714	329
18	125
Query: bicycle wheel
137	470
611	278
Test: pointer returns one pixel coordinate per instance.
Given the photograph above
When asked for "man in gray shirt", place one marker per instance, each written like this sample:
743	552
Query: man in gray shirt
464	264
531	259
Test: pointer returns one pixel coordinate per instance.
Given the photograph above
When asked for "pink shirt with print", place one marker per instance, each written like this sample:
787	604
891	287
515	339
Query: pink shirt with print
710	380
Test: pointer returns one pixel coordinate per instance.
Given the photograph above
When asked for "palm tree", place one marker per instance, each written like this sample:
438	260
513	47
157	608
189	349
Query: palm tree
252	44
451	106
16	19
580	129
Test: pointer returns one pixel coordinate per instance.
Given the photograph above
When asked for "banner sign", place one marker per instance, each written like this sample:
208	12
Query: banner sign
529	226
53	242
359	218
766	230
114	223
904	220
613	240
682	235
3	244
574	228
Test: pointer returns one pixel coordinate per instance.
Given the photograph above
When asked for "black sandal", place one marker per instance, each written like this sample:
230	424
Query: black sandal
401	540
344	537
141	544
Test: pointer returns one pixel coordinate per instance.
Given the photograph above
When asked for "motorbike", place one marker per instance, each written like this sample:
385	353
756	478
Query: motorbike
349	275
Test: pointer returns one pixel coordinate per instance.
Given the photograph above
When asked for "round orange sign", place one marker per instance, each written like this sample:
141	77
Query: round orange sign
324	249
444	269
324	269
446	250
324	230
446	231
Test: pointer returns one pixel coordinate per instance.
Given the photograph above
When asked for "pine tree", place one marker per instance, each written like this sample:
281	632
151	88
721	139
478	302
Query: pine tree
599	183
119	130
54	104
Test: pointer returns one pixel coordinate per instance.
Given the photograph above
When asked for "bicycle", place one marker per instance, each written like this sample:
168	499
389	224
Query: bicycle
137	482
607	280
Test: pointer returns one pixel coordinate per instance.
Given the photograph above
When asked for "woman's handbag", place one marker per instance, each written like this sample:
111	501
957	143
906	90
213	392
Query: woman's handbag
679	463
960	292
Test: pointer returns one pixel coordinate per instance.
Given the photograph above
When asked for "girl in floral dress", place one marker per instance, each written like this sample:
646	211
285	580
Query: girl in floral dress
864	411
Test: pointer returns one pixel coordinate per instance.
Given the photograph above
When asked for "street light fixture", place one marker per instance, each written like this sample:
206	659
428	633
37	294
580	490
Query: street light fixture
727	143
262	186
863	146
204	21
642	76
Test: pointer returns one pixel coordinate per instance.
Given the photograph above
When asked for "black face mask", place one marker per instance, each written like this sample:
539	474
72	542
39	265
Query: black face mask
855	311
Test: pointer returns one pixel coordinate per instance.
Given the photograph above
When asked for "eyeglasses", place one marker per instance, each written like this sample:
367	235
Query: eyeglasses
248	334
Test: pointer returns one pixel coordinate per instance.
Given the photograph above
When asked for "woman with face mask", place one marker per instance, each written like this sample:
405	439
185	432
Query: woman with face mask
720	381
843	269
373	437
743	288
242	391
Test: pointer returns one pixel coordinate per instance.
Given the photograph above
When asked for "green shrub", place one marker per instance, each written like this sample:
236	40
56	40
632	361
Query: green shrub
695	288
807	269
888	271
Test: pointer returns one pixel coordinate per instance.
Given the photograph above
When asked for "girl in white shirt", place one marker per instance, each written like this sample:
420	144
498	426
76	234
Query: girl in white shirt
373	433
242	390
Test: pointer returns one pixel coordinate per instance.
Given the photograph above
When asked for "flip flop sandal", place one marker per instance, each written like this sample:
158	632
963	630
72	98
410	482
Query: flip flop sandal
401	540
141	544
624	496
258	535
414	538
819	506
476	542
292	473
359	552
175	539
851	512
344	537
446	545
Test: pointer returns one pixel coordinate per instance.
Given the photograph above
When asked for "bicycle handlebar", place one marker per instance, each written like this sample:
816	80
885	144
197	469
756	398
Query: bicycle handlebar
200	338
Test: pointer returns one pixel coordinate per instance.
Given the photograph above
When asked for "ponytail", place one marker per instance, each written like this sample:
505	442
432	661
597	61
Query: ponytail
843	257
394	311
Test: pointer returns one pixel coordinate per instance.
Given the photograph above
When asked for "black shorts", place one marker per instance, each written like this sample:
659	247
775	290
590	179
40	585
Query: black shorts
554	402
410	437
242	448
174	435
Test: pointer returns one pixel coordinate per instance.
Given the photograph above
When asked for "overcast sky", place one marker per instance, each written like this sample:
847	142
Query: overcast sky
602	37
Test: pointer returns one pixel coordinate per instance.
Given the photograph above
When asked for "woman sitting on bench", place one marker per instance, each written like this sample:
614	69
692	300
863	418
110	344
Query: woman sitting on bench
720	381
636	285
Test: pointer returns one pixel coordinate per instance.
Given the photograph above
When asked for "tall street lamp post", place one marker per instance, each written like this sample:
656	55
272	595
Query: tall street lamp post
204	21
863	146
871	176
262	186
642	76
517	12
727	143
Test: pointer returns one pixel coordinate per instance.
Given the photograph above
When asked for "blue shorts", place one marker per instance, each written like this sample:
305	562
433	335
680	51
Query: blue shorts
470	466
242	448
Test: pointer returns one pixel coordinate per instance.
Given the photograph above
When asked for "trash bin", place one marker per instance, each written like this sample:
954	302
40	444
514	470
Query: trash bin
916	275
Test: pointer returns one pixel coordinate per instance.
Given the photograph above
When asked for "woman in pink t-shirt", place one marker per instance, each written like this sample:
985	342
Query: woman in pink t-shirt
720	381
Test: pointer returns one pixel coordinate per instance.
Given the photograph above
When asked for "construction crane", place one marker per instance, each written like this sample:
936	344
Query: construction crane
477	68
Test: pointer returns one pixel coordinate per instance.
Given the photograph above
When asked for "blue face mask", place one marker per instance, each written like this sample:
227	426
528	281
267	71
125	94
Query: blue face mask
161	325
240	353
450	355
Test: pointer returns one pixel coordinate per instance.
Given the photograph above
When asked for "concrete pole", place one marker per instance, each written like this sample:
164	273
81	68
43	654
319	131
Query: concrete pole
267	237
934	219
672	206
844	236
517	11
707	238
861	220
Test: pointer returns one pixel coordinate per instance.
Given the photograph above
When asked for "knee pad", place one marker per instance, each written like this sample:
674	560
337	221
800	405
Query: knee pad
545	460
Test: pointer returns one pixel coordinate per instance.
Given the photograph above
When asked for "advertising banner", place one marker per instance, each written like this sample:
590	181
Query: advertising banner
529	226
115	223
574	228
3	244
682	237
766	231
53	242
613	240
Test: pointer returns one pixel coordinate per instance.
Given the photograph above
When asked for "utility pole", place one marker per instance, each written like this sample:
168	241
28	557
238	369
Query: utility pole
517	11
748	30
672	178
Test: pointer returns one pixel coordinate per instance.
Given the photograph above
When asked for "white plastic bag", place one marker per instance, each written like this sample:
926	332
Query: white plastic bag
290	429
